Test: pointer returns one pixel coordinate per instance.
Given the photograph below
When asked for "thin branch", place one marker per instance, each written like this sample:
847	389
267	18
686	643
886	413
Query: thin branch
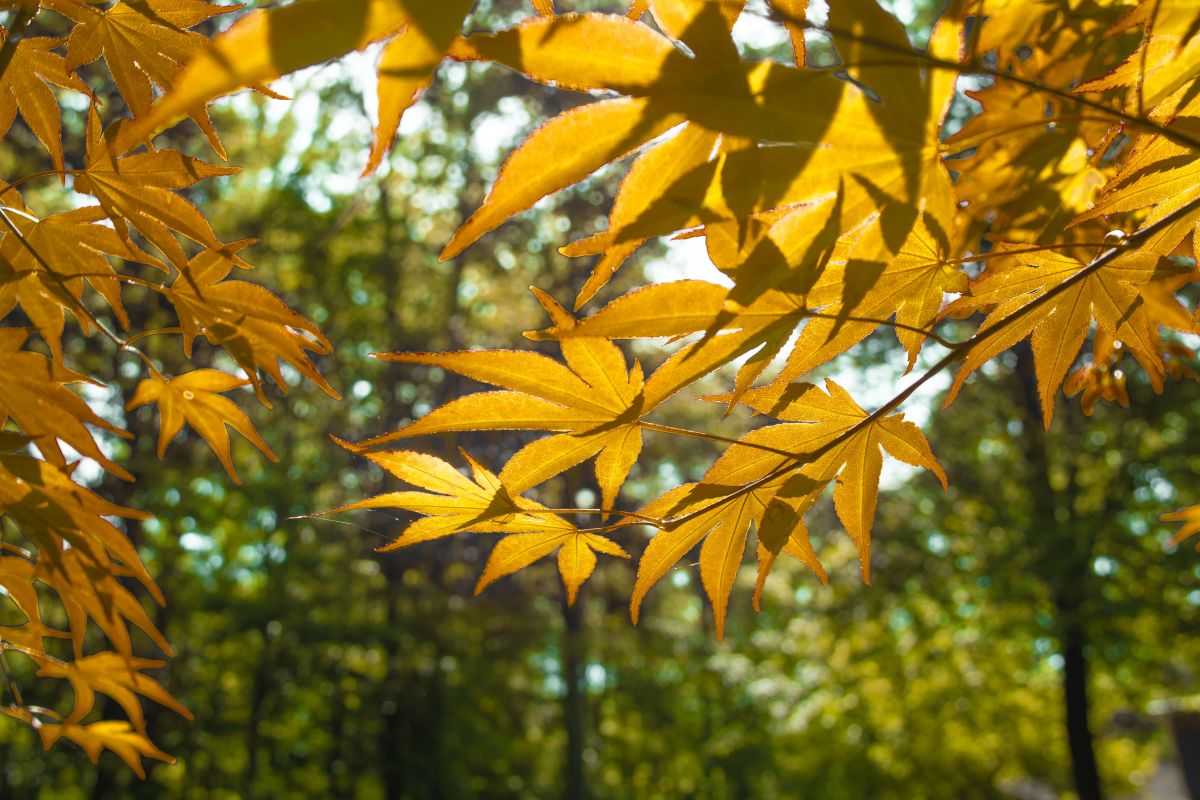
956	146
888	323
45	173
1121	244
601	511
153	332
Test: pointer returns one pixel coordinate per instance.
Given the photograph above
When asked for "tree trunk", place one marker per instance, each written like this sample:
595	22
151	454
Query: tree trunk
575	788
1066	563
1079	731
392	744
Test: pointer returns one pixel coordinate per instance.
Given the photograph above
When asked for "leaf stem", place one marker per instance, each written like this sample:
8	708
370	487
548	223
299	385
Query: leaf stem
712	437
13	689
601	511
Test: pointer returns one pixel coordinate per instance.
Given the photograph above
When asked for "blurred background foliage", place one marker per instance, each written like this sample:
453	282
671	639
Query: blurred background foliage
317	668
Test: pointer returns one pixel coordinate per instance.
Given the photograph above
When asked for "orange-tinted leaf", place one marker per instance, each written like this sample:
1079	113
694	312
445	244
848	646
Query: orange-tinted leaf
114	735
252	324
34	395
145	43
24	87
195	398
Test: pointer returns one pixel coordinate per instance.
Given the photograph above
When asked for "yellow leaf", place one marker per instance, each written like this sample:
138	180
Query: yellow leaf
114	735
137	190
793	13
593	397
34	395
1057	328
269	43
24	87
576	557
483	504
703	25
195	398
564	151
114	675
770	478
580	51
407	64
252	324
1190	523
145	43
44	270
590	52
650	175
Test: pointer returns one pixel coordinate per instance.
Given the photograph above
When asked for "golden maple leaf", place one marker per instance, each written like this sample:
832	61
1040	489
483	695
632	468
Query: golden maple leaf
145	43
770	478
253	325
137	190
195	398
484	503
25	87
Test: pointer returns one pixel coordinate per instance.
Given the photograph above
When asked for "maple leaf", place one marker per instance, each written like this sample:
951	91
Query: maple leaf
144	42
840	305
57	5
114	735
116	676
1167	59
649	175
793	13
876	159
483	503
87	585
268	43
252	324
119	736
49	508
137	190
34	396
680	308
25	87
1159	179
1189	519
408	61
593	398
195	398
703	25
45	263
716	90
770	478
563	151
1099	379
1057	328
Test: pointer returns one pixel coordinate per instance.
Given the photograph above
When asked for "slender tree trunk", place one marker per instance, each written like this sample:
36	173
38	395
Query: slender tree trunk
1079	731
575	787
335	767
1066	564
258	696
392	744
